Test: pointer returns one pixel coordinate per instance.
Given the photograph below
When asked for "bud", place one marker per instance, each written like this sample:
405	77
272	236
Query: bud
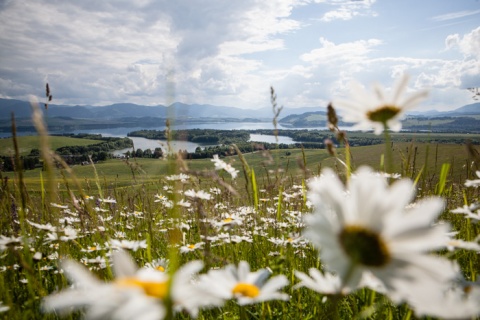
330	147
341	135
332	117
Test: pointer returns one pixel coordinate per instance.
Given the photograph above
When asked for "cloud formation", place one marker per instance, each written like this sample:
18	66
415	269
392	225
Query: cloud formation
228	53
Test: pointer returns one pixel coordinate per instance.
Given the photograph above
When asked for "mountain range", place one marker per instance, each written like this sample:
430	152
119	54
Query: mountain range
177	110
464	119
62	117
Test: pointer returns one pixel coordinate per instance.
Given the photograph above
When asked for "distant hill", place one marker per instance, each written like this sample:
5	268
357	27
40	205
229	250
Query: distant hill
307	119
177	110
470	109
466	118
463	119
473	109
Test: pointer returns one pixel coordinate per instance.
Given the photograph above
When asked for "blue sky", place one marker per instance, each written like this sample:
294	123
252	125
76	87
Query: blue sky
230	52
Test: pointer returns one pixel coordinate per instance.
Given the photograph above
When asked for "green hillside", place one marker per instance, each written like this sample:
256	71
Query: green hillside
27	143
409	159
465	121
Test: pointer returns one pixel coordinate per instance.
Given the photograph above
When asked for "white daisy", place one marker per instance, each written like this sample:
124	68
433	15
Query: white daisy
366	228
244	286
127	297
473	183
184	203
134	293
60	206
457	301
471	211
6	242
215	191
127	244
222	165
182	177
108	200
158	264
329	283
326	283
187	295
377	110
230	220
47	227
100	261
198	194
69	234
453	244
3	308
191	247
238	239
159	198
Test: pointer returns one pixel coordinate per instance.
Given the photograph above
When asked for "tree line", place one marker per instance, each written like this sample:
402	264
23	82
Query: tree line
71	154
221	143
206	136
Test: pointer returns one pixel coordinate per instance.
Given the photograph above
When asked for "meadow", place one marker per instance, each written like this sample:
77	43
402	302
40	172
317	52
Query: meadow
343	233
27	143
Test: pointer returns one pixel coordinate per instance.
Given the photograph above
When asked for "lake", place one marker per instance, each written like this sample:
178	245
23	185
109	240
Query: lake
143	143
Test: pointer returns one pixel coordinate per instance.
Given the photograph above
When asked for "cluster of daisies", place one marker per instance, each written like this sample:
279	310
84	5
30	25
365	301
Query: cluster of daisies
368	235
366	231
154	293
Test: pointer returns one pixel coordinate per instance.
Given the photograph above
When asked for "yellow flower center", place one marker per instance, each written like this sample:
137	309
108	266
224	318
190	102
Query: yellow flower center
191	246
160	268
228	220
153	289
364	246
383	114
467	289
246	290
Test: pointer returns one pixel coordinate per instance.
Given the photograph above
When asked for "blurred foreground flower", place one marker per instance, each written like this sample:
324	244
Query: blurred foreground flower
459	301
134	294
220	164
6	242
377	110
326	283
127	244
3	308
131	295
364	228
473	183
245	286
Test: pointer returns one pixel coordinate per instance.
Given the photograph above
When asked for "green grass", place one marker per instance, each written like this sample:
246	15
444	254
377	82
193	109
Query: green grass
409	158
134	183
27	143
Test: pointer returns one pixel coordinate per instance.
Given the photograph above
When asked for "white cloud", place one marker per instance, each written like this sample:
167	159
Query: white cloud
110	51
348	52
455	15
215	52
348	10
467	71
469	44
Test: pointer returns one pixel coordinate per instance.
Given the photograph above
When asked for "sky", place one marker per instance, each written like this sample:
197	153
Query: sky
230	52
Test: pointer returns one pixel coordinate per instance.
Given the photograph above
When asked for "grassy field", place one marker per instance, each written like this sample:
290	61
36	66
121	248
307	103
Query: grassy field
141	207
410	159
27	143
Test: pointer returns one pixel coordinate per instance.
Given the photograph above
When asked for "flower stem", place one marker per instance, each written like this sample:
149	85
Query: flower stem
388	165
348	160
334	307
